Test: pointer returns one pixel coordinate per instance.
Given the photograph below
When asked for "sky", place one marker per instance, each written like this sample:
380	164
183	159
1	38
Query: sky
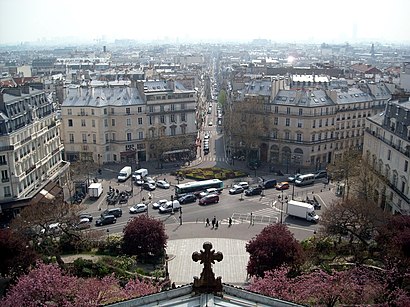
208	20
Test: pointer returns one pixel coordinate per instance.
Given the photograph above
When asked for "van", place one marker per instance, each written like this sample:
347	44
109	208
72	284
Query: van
169	206
305	180
117	212
124	174
269	184
142	172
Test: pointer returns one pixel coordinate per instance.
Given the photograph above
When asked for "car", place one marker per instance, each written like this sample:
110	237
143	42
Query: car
187	198
209	199
138	208
159	203
253	191
236	189
294	177
243	184
162	184
284	185
210	124
321	174
149	180
208	191
117	212
84	223
206	136
105	220
169	206
269	183
86	216
148	186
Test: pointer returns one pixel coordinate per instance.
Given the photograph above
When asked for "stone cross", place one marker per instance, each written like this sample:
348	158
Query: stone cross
207	282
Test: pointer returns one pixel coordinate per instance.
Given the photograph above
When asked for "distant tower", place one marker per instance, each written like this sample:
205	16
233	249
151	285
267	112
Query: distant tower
104	49
373	58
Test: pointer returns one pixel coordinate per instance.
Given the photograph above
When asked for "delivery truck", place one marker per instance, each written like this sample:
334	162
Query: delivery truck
95	190
302	210
124	174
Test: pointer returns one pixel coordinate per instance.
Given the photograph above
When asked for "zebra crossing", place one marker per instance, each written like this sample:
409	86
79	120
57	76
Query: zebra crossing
214	159
263	216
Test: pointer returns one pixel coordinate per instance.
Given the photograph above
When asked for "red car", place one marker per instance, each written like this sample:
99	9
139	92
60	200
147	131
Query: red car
282	185
209	199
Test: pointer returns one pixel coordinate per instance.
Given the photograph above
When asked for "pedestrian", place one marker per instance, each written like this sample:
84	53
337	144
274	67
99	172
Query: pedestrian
207	222
251	218
213	222
230	222
216	224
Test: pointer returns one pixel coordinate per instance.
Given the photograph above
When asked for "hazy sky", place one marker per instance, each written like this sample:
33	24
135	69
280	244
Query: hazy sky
278	20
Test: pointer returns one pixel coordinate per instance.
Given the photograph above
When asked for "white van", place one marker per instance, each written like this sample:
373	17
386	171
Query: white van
124	174
305	179
169	206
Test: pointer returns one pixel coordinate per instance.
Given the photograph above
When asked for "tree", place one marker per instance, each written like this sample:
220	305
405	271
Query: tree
16	255
355	286
47	284
354	221
144	236
270	249
36	219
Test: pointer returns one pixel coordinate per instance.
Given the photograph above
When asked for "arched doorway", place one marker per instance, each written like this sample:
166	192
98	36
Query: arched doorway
286	157
274	154
264	152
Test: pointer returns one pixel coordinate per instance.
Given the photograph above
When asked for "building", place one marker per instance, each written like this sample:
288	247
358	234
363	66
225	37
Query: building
127	124
30	147
387	150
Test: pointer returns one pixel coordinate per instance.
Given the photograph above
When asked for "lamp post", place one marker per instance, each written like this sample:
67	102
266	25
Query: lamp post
180	215
282	200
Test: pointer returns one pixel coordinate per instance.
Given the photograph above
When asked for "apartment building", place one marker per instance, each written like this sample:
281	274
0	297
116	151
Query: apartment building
30	147
387	150
313	126
121	124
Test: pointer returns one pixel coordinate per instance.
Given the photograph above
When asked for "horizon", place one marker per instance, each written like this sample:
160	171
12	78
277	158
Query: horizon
92	22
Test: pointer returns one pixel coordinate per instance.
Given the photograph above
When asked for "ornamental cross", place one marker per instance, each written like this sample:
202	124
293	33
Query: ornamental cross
207	282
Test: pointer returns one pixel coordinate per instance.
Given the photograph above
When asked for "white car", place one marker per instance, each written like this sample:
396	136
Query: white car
138	208
210	124
206	136
149	180
236	189
162	184
244	184
209	191
159	203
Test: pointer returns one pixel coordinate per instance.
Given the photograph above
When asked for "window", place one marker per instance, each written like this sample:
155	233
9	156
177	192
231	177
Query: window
287	135
82	112
320	123
105	112
151	120
300	111
94	138
93	123
183	129
327	122
69	111
105	122
275	120
173	130
162	119
113	122
129	136
276	109
314	123
172	118
128	121
287	122
84	135
406	165
92	111
83	123
313	137
140	135
389	154
299	137
106	137
127	110
70	123
112	110
7	192
161	109
139	109
4	175
71	138
3	160
172	107
182	106
113	136
300	123
151	109
139	120
287	110
183	117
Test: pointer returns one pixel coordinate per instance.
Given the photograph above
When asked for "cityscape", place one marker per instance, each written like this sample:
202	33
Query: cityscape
194	159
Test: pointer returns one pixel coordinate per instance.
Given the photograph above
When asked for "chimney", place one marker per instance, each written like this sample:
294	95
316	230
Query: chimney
171	84
25	89
140	88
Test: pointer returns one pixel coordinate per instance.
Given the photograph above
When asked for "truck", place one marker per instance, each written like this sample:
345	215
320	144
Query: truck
124	174
138	175
302	210
95	190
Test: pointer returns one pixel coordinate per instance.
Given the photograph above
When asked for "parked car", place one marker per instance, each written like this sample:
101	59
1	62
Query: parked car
169	206
187	198
244	184
162	184
208	191
149	180
210	124
236	189
284	185
86	216
148	186
105	220
321	174
206	136
294	177
138	208
253	191
84	223
270	183
159	203
117	212
209	199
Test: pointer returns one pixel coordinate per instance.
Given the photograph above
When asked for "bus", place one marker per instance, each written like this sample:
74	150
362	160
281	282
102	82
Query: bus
195	186
305	179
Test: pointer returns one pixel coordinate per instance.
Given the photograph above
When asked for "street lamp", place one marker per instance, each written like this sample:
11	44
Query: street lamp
282	200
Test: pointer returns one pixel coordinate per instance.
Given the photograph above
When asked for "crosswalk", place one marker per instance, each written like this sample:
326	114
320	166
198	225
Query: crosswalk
214	159
267	215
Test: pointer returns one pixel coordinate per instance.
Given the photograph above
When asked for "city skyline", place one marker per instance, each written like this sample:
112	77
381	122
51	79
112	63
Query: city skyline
43	21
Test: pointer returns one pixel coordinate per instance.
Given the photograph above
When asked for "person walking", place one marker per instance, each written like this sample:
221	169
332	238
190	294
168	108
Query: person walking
213	222
230	222
216	224
207	222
